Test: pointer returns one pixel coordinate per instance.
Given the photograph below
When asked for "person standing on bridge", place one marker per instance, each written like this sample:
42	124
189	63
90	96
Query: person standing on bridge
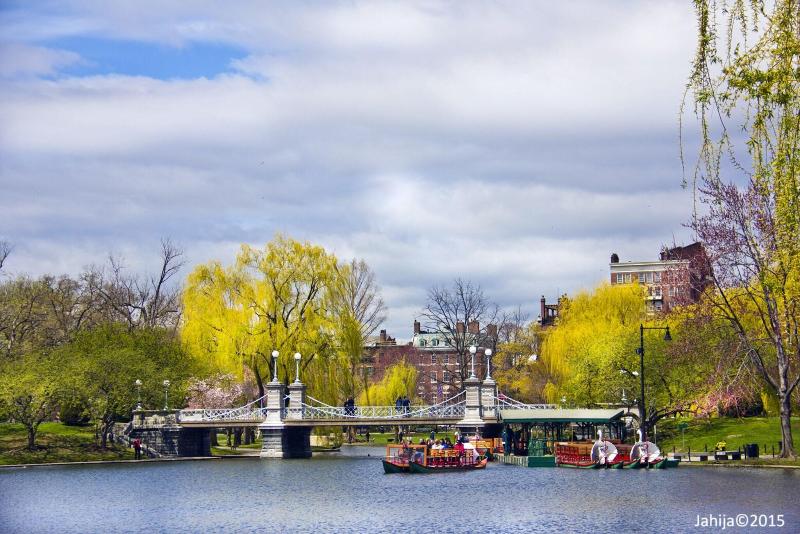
398	405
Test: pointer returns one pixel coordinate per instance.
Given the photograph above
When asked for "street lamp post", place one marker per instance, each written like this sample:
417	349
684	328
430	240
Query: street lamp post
166	394
297	358
472	351
640	352
138	384
275	355
488	353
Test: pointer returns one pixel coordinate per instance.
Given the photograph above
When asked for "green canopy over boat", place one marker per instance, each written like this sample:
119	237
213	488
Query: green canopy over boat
561	415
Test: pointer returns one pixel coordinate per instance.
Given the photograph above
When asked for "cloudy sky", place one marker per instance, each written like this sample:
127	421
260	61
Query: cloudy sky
516	144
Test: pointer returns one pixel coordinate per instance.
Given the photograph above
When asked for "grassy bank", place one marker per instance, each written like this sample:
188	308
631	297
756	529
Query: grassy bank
55	443
735	432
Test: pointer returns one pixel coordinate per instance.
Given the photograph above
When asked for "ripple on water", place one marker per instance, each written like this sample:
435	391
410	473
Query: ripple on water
346	493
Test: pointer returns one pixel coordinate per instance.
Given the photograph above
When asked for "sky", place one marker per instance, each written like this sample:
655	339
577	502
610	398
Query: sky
514	144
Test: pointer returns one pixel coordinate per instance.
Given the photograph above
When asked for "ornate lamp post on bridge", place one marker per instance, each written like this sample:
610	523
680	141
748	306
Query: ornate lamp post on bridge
138	384
640	352
275	355
472	350
166	394
297	358
488	353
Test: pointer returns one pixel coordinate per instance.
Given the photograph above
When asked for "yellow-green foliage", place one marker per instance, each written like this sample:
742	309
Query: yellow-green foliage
400	379
596	327
770	402
275	298
592	332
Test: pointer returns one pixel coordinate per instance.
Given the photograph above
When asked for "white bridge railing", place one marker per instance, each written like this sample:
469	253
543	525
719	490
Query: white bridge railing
452	408
252	411
506	402
315	410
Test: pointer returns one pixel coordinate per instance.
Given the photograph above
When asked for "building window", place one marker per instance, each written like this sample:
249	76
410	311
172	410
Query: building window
641	278
627	278
446	376
446	359
658	291
433	359
433	377
657	277
671	292
369	370
435	342
422	343
658	306
649	278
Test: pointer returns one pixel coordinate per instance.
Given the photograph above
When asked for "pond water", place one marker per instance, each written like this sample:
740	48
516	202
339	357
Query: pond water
348	492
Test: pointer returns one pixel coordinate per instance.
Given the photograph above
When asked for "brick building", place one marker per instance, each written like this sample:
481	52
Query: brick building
548	313
435	360
679	276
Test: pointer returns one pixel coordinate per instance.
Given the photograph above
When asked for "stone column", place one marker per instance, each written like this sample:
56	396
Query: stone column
272	429
472	409
297	397
489	400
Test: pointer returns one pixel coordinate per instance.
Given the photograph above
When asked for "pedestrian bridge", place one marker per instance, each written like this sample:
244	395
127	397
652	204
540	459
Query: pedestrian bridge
286	421
314	412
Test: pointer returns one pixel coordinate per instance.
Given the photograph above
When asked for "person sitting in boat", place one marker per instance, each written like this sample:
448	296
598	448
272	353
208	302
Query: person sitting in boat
437	445
459	447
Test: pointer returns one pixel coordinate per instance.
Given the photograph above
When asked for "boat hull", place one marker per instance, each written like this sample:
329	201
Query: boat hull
419	468
589	465
636	464
659	464
391	468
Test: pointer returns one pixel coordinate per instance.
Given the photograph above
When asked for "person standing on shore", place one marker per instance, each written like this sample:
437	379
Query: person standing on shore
137	449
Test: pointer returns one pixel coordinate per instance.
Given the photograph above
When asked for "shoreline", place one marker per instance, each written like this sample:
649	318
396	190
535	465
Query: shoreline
734	465
143	461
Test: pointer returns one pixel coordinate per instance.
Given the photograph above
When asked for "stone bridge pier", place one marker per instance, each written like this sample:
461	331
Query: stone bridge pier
283	434
160	431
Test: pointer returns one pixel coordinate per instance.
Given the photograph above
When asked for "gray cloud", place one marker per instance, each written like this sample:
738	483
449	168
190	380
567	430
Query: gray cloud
515	144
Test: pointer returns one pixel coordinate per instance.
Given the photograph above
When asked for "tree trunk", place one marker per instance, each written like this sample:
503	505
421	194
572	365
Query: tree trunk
32	437
259	380
787	443
214	441
228	436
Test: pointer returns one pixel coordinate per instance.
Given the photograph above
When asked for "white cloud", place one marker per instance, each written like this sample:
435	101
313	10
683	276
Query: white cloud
18	59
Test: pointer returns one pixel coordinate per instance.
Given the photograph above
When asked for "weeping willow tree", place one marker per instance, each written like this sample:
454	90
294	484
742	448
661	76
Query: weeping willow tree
594	329
399	380
745	85
591	355
275	298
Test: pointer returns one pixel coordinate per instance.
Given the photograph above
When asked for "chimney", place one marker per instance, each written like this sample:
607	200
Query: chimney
460	327
416	327
383	336
474	327
491	331
614	257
